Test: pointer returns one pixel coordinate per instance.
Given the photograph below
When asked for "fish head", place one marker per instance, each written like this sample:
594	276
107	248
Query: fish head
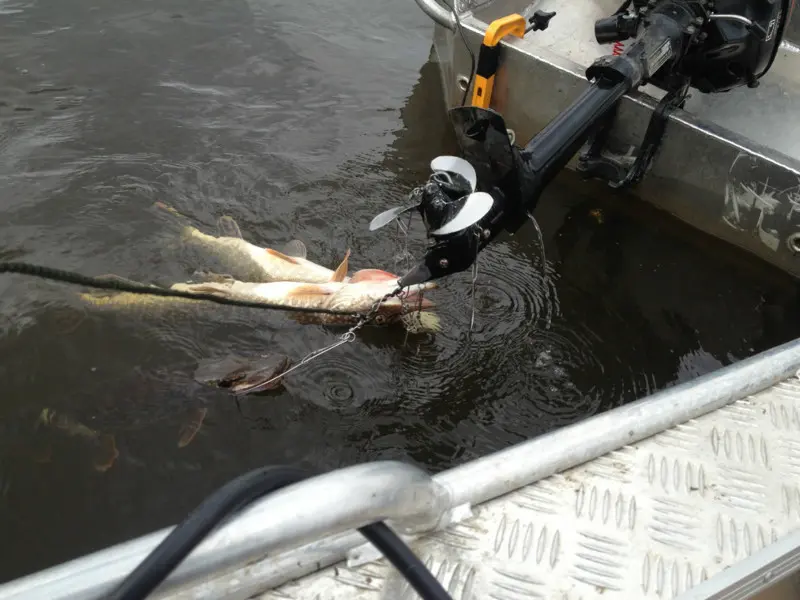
362	296
244	375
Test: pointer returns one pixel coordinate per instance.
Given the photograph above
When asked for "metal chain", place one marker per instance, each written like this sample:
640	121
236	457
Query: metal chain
348	336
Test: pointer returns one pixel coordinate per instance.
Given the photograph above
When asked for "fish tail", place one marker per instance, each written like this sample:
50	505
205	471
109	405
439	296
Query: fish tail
171	211
43	418
107	453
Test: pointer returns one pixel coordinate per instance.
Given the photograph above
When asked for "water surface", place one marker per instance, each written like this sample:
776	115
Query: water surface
278	115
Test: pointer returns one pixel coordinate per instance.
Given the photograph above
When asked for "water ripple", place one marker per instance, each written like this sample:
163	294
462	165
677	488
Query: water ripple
345	378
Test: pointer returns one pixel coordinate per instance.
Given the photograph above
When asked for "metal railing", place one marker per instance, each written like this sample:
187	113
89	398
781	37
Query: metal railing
242	557
440	15
337	501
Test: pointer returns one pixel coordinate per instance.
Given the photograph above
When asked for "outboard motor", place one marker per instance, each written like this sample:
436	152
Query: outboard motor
710	45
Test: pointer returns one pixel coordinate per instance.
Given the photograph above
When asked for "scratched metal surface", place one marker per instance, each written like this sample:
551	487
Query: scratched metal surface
647	521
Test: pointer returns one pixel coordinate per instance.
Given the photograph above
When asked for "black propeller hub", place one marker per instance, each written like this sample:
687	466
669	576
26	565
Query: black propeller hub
441	198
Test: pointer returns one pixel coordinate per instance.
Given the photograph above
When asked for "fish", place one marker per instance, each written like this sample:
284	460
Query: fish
105	443
243	375
264	265
358	297
249	262
189	428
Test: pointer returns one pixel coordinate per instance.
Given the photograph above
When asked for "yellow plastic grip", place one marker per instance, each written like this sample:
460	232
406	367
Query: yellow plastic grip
488	56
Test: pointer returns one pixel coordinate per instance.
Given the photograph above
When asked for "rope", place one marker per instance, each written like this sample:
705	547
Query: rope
21	268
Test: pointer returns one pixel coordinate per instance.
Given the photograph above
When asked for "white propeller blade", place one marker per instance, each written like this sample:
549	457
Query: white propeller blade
476	207
455	164
388	216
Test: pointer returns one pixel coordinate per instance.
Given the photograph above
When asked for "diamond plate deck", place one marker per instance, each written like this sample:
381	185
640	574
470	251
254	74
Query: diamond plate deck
650	520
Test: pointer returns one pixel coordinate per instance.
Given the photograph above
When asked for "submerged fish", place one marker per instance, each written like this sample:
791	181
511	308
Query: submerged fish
105	443
358	297
242	375
263	265
248	262
190	427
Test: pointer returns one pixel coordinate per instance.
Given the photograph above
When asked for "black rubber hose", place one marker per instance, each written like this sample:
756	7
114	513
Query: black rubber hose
226	501
405	561
234	496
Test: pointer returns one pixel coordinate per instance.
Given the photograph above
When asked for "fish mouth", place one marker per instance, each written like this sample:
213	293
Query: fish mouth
413	299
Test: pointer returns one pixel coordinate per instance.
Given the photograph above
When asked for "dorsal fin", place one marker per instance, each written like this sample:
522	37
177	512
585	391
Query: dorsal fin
281	256
295	248
341	271
372	275
228	227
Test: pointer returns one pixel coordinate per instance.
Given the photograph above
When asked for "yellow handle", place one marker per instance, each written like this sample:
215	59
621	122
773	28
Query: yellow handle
488	56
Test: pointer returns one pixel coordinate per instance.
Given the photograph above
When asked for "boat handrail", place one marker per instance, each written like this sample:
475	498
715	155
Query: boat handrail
318	507
440	15
244	555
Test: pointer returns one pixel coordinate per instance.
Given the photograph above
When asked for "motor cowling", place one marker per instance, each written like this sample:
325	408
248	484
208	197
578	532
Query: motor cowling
725	45
733	53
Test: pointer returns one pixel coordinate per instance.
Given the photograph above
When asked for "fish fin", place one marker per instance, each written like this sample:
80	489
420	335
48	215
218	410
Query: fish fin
210	287
206	276
310	289
107	453
372	275
189	429
281	256
296	249
341	271
44	418
228	227
421	322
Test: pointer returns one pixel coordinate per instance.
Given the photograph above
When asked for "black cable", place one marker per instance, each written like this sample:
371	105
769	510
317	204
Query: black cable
21	268
190	532
234	496
405	561
460	30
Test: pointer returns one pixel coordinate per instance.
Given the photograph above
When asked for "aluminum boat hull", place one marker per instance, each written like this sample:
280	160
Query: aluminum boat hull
729	164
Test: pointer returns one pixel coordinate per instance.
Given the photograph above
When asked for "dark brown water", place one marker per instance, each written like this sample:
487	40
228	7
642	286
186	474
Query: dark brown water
277	114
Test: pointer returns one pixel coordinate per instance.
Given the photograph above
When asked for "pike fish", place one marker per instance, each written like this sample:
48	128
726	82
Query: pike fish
358	295
410	307
249	262
105	444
